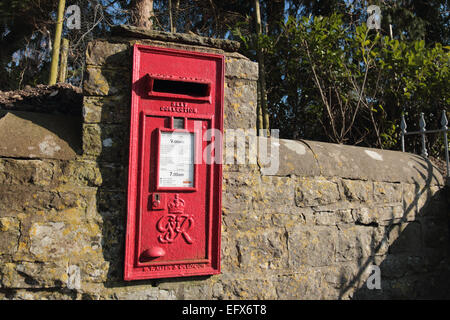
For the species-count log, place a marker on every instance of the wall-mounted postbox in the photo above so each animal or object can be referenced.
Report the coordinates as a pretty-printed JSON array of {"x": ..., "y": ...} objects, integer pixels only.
[{"x": 174, "y": 189}]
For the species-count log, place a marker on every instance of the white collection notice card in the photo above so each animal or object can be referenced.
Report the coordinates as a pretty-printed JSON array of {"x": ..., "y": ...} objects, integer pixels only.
[{"x": 176, "y": 160}]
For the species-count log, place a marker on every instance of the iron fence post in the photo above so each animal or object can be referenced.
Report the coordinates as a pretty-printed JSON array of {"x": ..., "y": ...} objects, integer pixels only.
[
  {"x": 422, "y": 126},
  {"x": 444, "y": 123},
  {"x": 423, "y": 131},
  {"x": 403, "y": 127}
]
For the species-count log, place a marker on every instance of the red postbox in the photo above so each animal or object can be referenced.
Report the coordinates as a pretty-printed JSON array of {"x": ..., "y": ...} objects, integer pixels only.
[{"x": 174, "y": 192}]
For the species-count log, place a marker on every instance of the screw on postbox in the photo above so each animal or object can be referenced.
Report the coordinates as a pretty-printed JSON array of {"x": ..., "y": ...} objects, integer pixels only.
[{"x": 174, "y": 195}]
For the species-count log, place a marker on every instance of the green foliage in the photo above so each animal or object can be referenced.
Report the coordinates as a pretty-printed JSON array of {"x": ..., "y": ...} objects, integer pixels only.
[{"x": 328, "y": 80}]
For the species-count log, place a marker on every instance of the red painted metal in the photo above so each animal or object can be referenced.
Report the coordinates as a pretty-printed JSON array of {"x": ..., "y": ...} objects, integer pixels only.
[{"x": 173, "y": 231}]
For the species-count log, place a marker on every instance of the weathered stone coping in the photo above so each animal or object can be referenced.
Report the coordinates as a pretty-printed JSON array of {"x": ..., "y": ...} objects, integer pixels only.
[
  {"x": 185, "y": 38},
  {"x": 313, "y": 158},
  {"x": 37, "y": 135}
]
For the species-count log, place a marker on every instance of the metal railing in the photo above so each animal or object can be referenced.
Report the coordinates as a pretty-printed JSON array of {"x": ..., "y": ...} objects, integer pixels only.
[{"x": 422, "y": 131}]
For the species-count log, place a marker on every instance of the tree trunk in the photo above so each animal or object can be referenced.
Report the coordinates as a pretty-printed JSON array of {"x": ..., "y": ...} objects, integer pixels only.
[
  {"x": 63, "y": 64},
  {"x": 170, "y": 16},
  {"x": 141, "y": 13},
  {"x": 57, "y": 43},
  {"x": 262, "y": 77},
  {"x": 177, "y": 8}
]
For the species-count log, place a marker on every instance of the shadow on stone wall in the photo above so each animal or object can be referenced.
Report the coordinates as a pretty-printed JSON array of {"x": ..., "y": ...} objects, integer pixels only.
[
  {"x": 50, "y": 115},
  {"x": 417, "y": 262},
  {"x": 26, "y": 131}
]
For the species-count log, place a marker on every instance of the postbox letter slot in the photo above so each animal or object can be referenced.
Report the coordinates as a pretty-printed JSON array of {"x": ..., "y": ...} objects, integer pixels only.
[{"x": 194, "y": 89}]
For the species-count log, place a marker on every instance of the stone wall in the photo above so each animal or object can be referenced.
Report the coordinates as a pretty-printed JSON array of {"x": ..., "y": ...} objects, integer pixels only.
[{"x": 309, "y": 231}]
